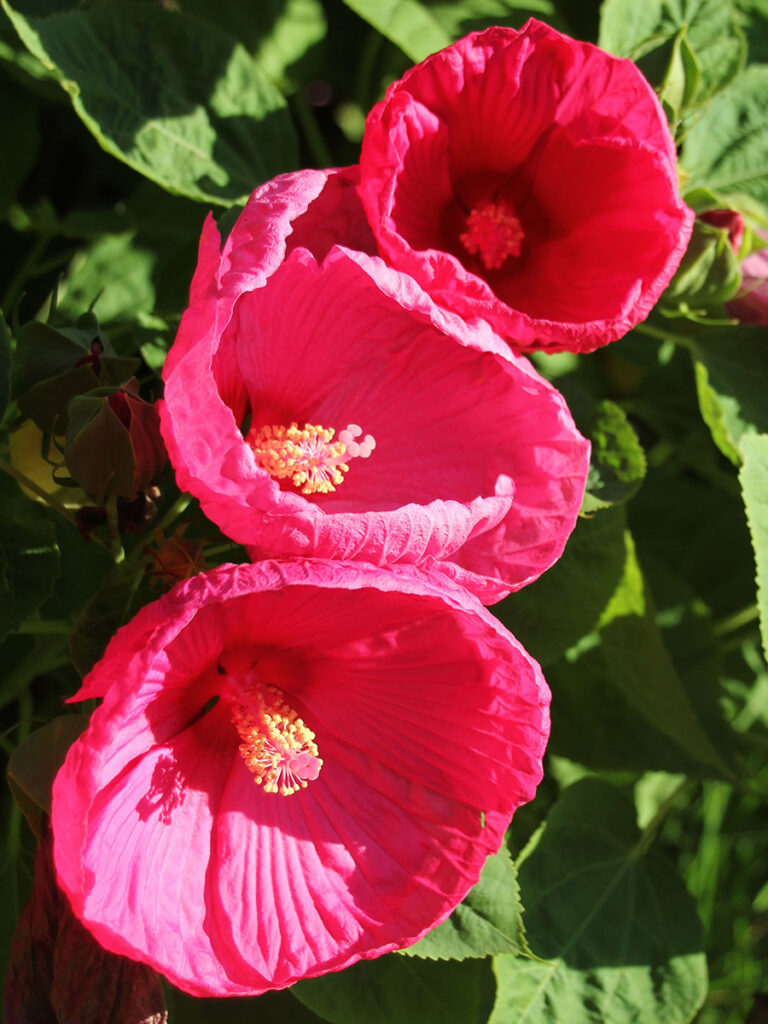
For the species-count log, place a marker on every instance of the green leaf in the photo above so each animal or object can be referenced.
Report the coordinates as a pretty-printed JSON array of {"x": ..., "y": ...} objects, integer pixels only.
[
  {"x": 32, "y": 766},
  {"x": 19, "y": 140},
  {"x": 615, "y": 924},
  {"x": 29, "y": 558},
  {"x": 5, "y": 366},
  {"x": 707, "y": 277},
  {"x": 754, "y": 488},
  {"x": 421, "y": 28},
  {"x": 671, "y": 39},
  {"x": 407, "y": 23},
  {"x": 640, "y": 666},
  {"x": 753, "y": 16},
  {"x": 552, "y": 614},
  {"x": 113, "y": 278},
  {"x": 174, "y": 97},
  {"x": 402, "y": 989},
  {"x": 101, "y": 617},
  {"x": 617, "y": 462},
  {"x": 278, "y": 33},
  {"x": 457, "y": 19},
  {"x": 731, "y": 369},
  {"x": 684, "y": 76},
  {"x": 726, "y": 151},
  {"x": 489, "y": 920}
]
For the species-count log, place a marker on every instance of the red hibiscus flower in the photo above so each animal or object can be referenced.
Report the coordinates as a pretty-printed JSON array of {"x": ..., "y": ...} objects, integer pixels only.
[
  {"x": 318, "y": 403},
  {"x": 295, "y": 766},
  {"x": 528, "y": 179}
]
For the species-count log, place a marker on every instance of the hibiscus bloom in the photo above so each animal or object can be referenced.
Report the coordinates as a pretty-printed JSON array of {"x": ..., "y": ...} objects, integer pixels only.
[
  {"x": 318, "y": 403},
  {"x": 295, "y": 766},
  {"x": 528, "y": 179}
]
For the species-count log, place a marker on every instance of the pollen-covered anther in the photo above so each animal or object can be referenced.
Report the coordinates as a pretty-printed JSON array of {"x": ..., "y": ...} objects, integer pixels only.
[
  {"x": 308, "y": 456},
  {"x": 278, "y": 748},
  {"x": 493, "y": 233}
]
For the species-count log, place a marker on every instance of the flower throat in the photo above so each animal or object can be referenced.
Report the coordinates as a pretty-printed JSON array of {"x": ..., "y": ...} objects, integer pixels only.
[{"x": 493, "y": 233}]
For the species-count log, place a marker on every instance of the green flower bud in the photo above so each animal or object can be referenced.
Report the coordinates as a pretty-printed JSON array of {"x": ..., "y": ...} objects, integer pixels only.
[{"x": 113, "y": 445}]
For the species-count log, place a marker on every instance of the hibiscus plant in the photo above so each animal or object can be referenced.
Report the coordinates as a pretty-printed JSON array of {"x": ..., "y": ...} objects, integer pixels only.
[{"x": 384, "y": 511}]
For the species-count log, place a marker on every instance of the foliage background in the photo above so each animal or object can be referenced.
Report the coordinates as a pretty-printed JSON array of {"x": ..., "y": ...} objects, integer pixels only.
[{"x": 634, "y": 886}]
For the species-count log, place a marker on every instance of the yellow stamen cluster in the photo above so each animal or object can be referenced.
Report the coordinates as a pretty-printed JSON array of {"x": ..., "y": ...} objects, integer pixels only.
[
  {"x": 307, "y": 456},
  {"x": 277, "y": 746}
]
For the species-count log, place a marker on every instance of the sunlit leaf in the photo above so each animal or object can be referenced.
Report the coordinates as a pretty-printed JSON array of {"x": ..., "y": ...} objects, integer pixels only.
[{"x": 614, "y": 924}]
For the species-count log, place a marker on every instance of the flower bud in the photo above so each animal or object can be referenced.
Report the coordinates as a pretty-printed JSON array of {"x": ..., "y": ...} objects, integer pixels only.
[
  {"x": 113, "y": 445},
  {"x": 52, "y": 365},
  {"x": 174, "y": 558},
  {"x": 750, "y": 305},
  {"x": 58, "y": 973}
]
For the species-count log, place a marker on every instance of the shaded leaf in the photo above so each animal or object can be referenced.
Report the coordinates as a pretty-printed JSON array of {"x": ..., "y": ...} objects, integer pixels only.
[
  {"x": 552, "y": 614},
  {"x": 617, "y": 461},
  {"x": 731, "y": 368},
  {"x": 639, "y": 664},
  {"x": 615, "y": 924},
  {"x": 420, "y": 28},
  {"x": 102, "y": 616},
  {"x": 754, "y": 488},
  {"x": 174, "y": 97},
  {"x": 403, "y": 989},
  {"x": 489, "y": 920},
  {"x": 19, "y": 140},
  {"x": 277, "y": 32},
  {"x": 32, "y": 766},
  {"x": 29, "y": 557}
]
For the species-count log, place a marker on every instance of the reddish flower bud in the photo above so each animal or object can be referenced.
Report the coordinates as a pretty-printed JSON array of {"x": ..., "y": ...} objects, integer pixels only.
[
  {"x": 174, "y": 558},
  {"x": 59, "y": 974},
  {"x": 751, "y": 304},
  {"x": 727, "y": 220},
  {"x": 113, "y": 445}
]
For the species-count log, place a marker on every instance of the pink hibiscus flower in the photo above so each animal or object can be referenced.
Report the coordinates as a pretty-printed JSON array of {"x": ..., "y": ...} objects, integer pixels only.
[
  {"x": 318, "y": 403},
  {"x": 295, "y": 766},
  {"x": 528, "y": 179}
]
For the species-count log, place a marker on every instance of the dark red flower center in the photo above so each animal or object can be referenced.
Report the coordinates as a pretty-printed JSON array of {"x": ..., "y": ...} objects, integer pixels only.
[{"x": 493, "y": 233}]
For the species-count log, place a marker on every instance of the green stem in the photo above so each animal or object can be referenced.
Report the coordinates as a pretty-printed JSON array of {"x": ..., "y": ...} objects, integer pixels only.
[
  {"x": 113, "y": 525},
  {"x": 315, "y": 141},
  {"x": 662, "y": 335},
  {"x": 178, "y": 508},
  {"x": 219, "y": 549},
  {"x": 49, "y": 500},
  {"x": 42, "y": 628},
  {"x": 744, "y": 617}
]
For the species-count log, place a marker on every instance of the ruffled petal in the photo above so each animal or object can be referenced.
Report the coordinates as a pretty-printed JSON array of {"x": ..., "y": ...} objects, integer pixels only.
[{"x": 459, "y": 422}]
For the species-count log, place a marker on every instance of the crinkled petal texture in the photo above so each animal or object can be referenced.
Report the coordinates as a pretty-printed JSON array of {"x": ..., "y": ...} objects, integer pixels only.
[
  {"x": 477, "y": 466},
  {"x": 431, "y": 722},
  {"x": 568, "y": 140}
]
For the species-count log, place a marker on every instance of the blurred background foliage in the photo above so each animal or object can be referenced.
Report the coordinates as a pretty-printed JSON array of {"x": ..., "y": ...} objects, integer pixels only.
[{"x": 639, "y": 870}]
